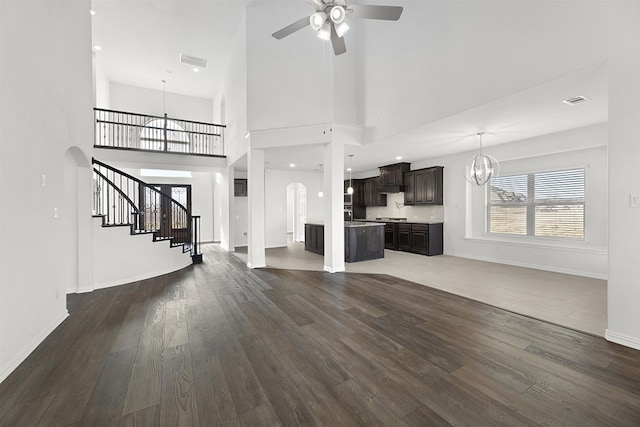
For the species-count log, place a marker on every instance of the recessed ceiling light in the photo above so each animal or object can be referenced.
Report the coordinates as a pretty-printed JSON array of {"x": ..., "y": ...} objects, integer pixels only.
[
  {"x": 292, "y": 165},
  {"x": 93, "y": 12},
  {"x": 96, "y": 47},
  {"x": 398, "y": 157},
  {"x": 348, "y": 169},
  {"x": 195, "y": 70}
]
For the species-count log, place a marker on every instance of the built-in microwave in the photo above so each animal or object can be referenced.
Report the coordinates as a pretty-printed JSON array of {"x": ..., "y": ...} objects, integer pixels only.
[{"x": 348, "y": 212}]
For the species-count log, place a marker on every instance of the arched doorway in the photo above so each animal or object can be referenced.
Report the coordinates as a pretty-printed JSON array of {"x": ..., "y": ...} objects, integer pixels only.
[
  {"x": 76, "y": 217},
  {"x": 296, "y": 211}
]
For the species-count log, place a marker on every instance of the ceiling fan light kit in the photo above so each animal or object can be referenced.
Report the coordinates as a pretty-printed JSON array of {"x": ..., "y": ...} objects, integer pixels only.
[{"x": 329, "y": 20}]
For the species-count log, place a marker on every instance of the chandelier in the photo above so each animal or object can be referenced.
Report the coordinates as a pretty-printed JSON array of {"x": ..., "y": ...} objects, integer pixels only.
[{"x": 482, "y": 167}]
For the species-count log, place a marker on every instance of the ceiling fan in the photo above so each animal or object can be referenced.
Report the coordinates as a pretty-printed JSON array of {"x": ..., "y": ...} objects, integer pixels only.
[{"x": 329, "y": 20}]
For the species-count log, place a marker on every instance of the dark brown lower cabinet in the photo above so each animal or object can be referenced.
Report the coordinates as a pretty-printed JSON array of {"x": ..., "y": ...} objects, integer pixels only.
[
  {"x": 425, "y": 239},
  {"x": 391, "y": 236},
  {"x": 404, "y": 237},
  {"x": 314, "y": 238}
]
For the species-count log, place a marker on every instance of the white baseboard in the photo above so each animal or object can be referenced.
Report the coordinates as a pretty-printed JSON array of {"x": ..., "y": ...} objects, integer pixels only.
[
  {"x": 590, "y": 274},
  {"x": 256, "y": 266},
  {"x": 144, "y": 276},
  {"x": 331, "y": 270},
  {"x": 622, "y": 339},
  {"x": 21, "y": 356}
]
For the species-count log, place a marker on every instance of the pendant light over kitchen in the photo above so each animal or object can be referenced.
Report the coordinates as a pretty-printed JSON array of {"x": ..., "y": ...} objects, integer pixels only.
[
  {"x": 320, "y": 193},
  {"x": 482, "y": 167},
  {"x": 350, "y": 188}
]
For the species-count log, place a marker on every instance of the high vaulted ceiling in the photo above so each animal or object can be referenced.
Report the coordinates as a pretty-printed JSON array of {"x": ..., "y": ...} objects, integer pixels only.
[{"x": 142, "y": 40}]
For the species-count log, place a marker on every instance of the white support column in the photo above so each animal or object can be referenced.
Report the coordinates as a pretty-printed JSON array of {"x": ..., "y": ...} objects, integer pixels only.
[
  {"x": 623, "y": 289},
  {"x": 226, "y": 209},
  {"x": 334, "y": 207},
  {"x": 256, "y": 230}
]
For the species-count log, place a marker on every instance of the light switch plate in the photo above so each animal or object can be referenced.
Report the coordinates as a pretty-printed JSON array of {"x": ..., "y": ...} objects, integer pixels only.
[{"x": 634, "y": 200}]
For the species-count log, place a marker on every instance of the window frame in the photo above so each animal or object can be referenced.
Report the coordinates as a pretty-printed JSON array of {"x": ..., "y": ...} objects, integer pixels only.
[{"x": 531, "y": 205}]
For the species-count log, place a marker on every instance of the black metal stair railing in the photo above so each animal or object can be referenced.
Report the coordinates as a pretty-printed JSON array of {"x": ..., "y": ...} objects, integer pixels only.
[
  {"x": 121, "y": 199},
  {"x": 142, "y": 132}
]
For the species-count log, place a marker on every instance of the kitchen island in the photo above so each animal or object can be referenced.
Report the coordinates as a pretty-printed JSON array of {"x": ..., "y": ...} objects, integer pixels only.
[{"x": 362, "y": 240}]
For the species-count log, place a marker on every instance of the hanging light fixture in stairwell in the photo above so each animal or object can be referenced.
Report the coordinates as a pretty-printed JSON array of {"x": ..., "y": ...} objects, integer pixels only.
[
  {"x": 164, "y": 98},
  {"x": 482, "y": 167},
  {"x": 350, "y": 188}
]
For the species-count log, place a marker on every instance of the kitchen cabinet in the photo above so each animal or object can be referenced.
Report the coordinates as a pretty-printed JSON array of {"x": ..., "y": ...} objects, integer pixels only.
[
  {"x": 391, "y": 236},
  {"x": 404, "y": 237},
  {"x": 393, "y": 174},
  {"x": 409, "y": 188},
  {"x": 362, "y": 240},
  {"x": 424, "y": 186},
  {"x": 314, "y": 238},
  {"x": 425, "y": 239},
  {"x": 240, "y": 187},
  {"x": 372, "y": 197},
  {"x": 355, "y": 202}
]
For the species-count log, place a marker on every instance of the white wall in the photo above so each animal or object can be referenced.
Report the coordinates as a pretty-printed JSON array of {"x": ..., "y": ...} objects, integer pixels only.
[
  {"x": 240, "y": 216},
  {"x": 202, "y": 188},
  {"x": 102, "y": 84},
  {"x": 122, "y": 258},
  {"x": 276, "y": 182},
  {"x": 395, "y": 209},
  {"x": 148, "y": 101},
  {"x": 241, "y": 221},
  {"x": 45, "y": 108},
  {"x": 232, "y": 98},
  {"x": 465, "y": 212},
  {"x": 444, "y": 57},
  {"x": 624, "y": 176}
]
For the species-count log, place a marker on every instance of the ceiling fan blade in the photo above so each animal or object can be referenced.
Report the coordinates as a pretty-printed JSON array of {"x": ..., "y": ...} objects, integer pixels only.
[
  {"x": 339, "y": 47},
  {"x": 291, "y": 28},
  {"x": 388, "y": 13}
]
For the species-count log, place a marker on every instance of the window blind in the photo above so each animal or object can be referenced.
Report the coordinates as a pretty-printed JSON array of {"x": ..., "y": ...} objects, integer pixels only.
[{"x": 546, "y": 204}]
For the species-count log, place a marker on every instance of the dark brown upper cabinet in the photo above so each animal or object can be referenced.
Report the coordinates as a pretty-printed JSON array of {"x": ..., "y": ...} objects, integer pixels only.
[
  {"x": 424, "y": 186},
  {"x": 372, "y": 197},
  {"x": 393, "y": 175}
]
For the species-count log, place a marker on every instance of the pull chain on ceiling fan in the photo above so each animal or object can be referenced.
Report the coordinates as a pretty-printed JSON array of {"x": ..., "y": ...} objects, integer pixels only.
[{"x": 329, "y": 20}]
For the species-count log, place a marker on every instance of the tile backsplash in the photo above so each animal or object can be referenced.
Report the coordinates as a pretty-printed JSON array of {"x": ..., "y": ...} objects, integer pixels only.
[{"x": 395, "y": 209}]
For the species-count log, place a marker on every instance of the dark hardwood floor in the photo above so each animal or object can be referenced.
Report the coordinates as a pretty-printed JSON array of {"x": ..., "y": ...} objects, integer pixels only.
[{"x": 218, "y": 344}]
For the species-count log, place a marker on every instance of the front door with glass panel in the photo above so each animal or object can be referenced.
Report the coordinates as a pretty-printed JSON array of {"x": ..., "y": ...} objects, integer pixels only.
[{"x": 159, "y": 215}]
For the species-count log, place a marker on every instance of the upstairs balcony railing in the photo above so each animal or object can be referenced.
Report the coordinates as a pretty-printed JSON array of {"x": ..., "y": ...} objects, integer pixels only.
[{"x": 161, "y": 134}]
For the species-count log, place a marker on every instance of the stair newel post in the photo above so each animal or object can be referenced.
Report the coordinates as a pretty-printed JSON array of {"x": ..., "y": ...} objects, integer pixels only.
[{"x": 196, "y": 256}]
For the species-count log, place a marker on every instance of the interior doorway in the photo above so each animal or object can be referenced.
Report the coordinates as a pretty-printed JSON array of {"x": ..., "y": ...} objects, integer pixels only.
[
  {"x": 158, "y": 212},
  {"x": 296, "y": 211}
]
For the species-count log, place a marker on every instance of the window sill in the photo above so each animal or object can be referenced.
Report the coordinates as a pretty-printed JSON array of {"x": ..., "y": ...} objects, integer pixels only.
[{"x": 582, "y": 246}]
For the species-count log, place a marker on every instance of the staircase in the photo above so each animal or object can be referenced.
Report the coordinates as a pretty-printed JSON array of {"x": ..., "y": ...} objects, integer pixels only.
[{"x": 122, "y": 200}]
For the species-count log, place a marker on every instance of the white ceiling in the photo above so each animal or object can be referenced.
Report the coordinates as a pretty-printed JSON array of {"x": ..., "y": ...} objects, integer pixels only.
[{"x": 143, "y": 39}]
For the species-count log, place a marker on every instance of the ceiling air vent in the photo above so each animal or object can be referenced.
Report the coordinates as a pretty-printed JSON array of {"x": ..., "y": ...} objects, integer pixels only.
[
  {"x": 193, "y": 61},
  {"x": 575, "y": 100}
]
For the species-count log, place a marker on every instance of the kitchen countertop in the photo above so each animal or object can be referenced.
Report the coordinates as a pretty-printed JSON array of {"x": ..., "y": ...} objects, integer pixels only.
[
  {"x": 350, "y": 224},
  {"x": 398, "y": 221}
]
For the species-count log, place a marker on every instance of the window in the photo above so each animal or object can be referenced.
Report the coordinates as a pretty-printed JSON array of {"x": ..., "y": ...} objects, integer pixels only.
[
  {"x": 152, "y": 136},
  {"x": 544, "y": 204}
]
